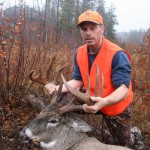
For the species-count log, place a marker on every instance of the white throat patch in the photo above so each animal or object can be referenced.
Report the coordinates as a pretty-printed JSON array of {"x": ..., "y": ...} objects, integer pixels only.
[
  {"x": 29, "y": 133},
  {"x": 48, "y": 145}
]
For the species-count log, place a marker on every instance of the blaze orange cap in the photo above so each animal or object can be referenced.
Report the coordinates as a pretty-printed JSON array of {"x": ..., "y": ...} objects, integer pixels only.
[{"x": 91, "y": 16}]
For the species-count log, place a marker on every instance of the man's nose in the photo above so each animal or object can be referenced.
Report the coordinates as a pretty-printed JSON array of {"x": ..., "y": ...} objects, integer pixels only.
[{"x": 88, "y": 32}]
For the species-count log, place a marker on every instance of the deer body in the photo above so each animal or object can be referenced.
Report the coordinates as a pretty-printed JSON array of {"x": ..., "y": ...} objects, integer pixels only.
[{"x": 93, "y": 144}]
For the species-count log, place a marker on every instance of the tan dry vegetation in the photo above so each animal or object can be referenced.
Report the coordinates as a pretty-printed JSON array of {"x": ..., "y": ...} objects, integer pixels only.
[
  {"x": 141, "y": 87},
  {"x": 19, "y": 54}
]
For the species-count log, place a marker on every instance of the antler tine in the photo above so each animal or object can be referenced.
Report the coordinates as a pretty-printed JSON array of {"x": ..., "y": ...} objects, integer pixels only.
[
  {"x": 71, "y": 108},
  {"x": 48, "y": 71},
  {"x": 97, "y": 80},
  {"x": 88, "y": 87},
  {"x": 56, "y": 96},
  {"x": 58, "y": 74},
  {"x": 102, "y": 86},
  {"x": 38, "y": 78},
  {"x": 84, "y": 97}
]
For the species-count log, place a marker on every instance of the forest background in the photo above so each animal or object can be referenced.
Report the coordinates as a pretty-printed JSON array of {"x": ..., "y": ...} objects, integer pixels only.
[{"x": 31, "y": 35}]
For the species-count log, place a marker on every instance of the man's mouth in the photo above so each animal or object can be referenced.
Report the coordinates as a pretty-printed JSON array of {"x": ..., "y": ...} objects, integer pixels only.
[{"x": 88, "y": 40}]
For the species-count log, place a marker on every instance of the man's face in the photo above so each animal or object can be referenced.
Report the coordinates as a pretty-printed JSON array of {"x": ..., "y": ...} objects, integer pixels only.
[{"x": 91, "y": 33}]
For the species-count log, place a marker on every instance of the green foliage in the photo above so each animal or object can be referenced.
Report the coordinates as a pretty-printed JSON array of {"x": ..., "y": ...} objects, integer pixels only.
[
  {"x": 67, "y": 15},
  {"x": 110, "y": 23}
]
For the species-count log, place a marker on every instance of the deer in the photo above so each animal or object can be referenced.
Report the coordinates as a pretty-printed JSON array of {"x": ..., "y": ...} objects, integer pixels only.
[{"x": 57, "y": 127}]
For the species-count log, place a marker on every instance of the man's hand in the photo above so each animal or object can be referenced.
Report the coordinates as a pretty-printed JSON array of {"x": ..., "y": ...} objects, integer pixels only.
[
  {"x": 99, "y": 104},
  {"x": 50, "y": 88},
  {"x": 118, "y": 95}
]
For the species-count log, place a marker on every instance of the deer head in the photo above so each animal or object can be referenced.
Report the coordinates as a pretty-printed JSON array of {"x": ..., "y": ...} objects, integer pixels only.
[{"x": 55, "y": 131}]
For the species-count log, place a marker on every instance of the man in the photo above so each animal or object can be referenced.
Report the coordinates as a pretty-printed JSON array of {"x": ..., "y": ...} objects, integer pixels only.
[{"x": 115, "y": 65}]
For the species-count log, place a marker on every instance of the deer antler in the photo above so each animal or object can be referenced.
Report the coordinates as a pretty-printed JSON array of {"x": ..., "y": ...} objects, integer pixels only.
[
  {"x": 45, "y": 80},
  {"x": 39, "y": 78},
  {"x": 83, "y": 97}
]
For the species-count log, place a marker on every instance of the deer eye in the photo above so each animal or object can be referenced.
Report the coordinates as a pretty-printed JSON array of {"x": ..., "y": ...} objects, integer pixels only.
[{"x": 53, "y": 121}]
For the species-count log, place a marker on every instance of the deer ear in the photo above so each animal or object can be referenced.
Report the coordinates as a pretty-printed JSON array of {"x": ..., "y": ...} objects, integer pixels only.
[{"x": 81, "y": 126}]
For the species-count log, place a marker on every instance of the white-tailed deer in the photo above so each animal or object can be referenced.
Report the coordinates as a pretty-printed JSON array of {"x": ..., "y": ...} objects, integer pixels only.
[{"x": 57, "y": 128}]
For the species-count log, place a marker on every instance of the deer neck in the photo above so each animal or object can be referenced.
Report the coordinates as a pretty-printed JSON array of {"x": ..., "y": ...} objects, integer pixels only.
[{"x": 67, "y": 139}]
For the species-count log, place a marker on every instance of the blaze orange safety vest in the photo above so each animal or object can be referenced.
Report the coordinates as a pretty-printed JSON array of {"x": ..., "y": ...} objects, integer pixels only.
[{"x": 104, "y": 61}]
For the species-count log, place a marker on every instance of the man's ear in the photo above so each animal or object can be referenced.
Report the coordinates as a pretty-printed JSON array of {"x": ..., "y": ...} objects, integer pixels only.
[{"x": 102, "y": 28}]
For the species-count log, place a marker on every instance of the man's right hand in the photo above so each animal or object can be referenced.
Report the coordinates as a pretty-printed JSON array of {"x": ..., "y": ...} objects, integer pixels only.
[{"x": 50, "y": 88}]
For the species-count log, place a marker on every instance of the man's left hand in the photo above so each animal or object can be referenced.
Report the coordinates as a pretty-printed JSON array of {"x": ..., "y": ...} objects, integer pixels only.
[{"x": 98, "y": 105}]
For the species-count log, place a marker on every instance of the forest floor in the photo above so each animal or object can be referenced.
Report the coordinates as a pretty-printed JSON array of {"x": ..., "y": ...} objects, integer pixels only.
[{"x": 14, "y": 116}]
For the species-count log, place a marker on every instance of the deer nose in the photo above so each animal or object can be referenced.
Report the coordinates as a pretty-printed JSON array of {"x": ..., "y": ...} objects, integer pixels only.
[{"x": 23, "y": 136}]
